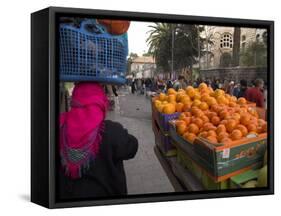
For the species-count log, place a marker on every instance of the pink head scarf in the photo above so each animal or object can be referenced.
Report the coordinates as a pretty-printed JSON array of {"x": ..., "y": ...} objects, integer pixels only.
[{"x": 81, "y": 127}]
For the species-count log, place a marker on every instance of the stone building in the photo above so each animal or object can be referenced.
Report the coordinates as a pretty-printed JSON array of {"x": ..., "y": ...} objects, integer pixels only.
[
  {"x": 222, "y": 44},
  {"x": 143, "y": 67}
]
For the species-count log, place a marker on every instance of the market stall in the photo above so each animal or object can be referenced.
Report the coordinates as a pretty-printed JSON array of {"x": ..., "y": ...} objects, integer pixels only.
[{"x": 209, "y": 139}]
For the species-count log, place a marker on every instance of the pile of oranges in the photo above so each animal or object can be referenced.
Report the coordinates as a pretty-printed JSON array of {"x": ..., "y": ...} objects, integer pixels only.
[{"x": 213, "y": 115}]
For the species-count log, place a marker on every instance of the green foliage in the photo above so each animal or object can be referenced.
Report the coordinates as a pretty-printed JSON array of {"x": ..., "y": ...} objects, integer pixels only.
[
  {"x": 255, "y": 54},
  {"x": 185, "y": 45}
]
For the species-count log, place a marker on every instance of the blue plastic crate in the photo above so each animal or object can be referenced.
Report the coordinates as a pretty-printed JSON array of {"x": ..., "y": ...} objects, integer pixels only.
[{"x": 87, "y": 55}]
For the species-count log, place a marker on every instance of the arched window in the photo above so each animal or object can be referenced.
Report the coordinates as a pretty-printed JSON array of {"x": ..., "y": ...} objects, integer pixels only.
[{"x": 226, "y": 41}]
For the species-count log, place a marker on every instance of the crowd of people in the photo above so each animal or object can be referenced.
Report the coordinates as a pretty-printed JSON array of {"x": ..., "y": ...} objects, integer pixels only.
[{"x": 255, "y": 91}]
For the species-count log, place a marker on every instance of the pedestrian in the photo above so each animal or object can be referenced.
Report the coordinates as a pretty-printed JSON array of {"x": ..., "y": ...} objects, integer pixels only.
[
  {"x": 169, "y": 84},
  {"x": 255, "y": 94},
  {"x": 242, "y": 89},
  {"x": 160, "y": 85},
  {"x": 92, "y": 149},
  {"x": 230, "y": 88},
  {"x": 114, "y": 90},
  {"x": 180, "y": 83},
  {"x": 139, "y": 85},
  {"x": 133, "y": 86}
]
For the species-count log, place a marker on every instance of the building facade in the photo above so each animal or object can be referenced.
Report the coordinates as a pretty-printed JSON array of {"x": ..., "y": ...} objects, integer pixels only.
[
  {"x": 218, "y": 53},
  {"x": 143, "y": 67}
]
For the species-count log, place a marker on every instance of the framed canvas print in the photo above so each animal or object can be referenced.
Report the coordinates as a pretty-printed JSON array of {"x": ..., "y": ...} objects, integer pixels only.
[{"x": 138, "y": 107}]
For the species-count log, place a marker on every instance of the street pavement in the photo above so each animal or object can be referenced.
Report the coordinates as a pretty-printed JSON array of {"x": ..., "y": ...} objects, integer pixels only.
[{"x": 144, "y": 173}]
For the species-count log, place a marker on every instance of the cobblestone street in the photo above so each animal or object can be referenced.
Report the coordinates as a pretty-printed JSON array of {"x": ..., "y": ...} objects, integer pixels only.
[{"x": 144, "y": 173}]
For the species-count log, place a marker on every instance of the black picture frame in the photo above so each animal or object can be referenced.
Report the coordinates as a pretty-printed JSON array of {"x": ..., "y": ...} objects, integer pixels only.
[{"x": 44, "y": 108}]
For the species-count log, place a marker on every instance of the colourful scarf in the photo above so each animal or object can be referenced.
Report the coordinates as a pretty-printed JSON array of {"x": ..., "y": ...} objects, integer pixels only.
[{"x": 81, "y": 127}]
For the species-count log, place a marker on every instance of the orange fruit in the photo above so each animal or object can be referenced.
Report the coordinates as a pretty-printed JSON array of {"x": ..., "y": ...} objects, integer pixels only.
[
  {"x": 222, "y": 100},
  {"x": 252, "y": 127},
  {"x": 205, "y": 118},
  {"x": 187, "y": 120},
  {"x": 194, "y": 110},
  {"x": 232, "y": 104},
  {"x": 203, "y": 106},
  {"x": 223, "y": 114},
  {"x": 189, "y": 88},
  {"x": 211, "y": 101},
  {"x": 193, "y": 128},
  {"x": 226, "y": 140},
  {"x": 179, "y": 107},
  {"x": 222, "y": 136},
  {"x": 261, "y": 122},
  {"x": 205, "y": 91},
  {"x": 181, "y": 128},
  {"x": 187, "y": 114},
  {"x": 196, "y": 103},
  {"x": 253, "y": 120},
  {"x": 208, "y": 126},
  {"x": 203, "y": 86},
  {"x": 185, "y": 99},
  {"x": 162, "y": 96},
  {"x": 236, "y": 134},
  {"x": 160, "y": 107},
  {"x": 211, "y": 133},
  {"x": 212, "y": 139},
  {"x": 178, "y": 122},
  {"x": 199, "y": 113},
  {"x": 230, "y": 125},
  {"x": 171, "y": 91},
  {"x": 241, "y": 101},
  {"x": 181, "y": 116},
  {"x": 253, "y": 112},
  {"x": 191, "y": 92},
  {"x": 169, "y": 108},
  {"x": 197, "y": 96},
  {"x": 216, "y": 108},
  {"x": 215, "y": 120},
  {"x": 245, "y": 118},
  {"x": 171, "y": 98},
  {"x": 205, "y": 97},
  {"x": 179, "y": 96},
  {"x": 259, "y": 129},
  {"x": 211, "y": 114},
  {"x": 186, "y": 106},
  {"x": 190, "y": 137},
  {"x": 243, "y": 129},
  {"x": 221, "y": 128},
  {"x": 198, "y": 121},
  {"x": 203, "y": 134},
  {"x": 237, "y": 117},
  {"x": 218, "y": 92},
  {"x": 233, "y": 99}
]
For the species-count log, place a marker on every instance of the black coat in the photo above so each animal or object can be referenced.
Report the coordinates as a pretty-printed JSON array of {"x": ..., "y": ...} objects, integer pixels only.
[{"x": 106, "y": 175}]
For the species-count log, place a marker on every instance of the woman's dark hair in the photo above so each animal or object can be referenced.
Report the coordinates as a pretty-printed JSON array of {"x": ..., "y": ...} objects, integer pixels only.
[{"x": 243, "y": 83}]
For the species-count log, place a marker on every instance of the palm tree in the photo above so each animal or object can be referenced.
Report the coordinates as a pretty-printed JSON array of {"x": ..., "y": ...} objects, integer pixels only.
[
  {"x": 159, "y": 44},
  {"x": 236, "y": 46},
  {"x": 185, "y": 49}
]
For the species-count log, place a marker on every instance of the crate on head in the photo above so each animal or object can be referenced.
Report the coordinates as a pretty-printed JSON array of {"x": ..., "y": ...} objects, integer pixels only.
[{"x": 89, "y": 53}]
